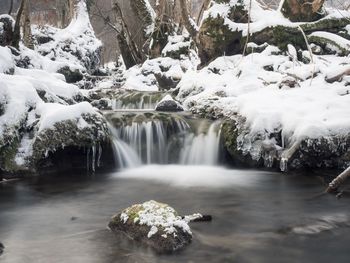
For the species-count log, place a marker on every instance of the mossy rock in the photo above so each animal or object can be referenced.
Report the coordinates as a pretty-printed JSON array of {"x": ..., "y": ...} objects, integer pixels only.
[
  {"x": 153, "y": 224},
  {"x": 302, "y": 10}
]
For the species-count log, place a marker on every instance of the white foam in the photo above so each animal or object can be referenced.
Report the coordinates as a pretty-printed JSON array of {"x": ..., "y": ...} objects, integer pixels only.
[{"x": 194, "y": 176}]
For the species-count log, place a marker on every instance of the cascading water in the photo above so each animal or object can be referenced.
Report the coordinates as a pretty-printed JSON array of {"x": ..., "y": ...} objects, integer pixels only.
[
  {"x": 124, "y": 155},
  {"x": 144, "y": 101},
  {"x": 202, "y": 148},
  {"x": 165, "y": 141}
]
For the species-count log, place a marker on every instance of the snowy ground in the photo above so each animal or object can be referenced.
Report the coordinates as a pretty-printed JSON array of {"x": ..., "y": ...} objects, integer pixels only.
[{"x": 35, "y": 98}]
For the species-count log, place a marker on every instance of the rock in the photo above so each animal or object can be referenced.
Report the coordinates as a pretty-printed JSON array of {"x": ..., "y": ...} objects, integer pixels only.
[
  {"x": 166, "y": 82},
  {"x": 6, "y": 30},
  {"x": 154, "y": 224},
  {"x": 169, "y": 104},
  {"x": 102, "y": 104},
  {"x": 2, "y": 247},
  {"x": 71, "y": 76}
]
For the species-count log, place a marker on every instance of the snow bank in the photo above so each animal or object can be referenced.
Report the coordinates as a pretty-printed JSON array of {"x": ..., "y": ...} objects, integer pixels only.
[
  {"x": 73, "y": 45},
  {"x": 6, "y": 60},
  {"x": 261, "y": 18},
  {"x": 143, "y": 77},
  {"x": 273, "y": 93}
]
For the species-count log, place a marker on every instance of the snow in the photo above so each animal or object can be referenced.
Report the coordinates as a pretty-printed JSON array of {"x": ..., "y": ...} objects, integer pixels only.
[
  {"x": 52, "y": 113},
  {"x": 157, "y": 216},
  {"x": 78, "y": 36},
  {"x": 261, "y": 18},
  {"x": 142, "y": 77},
  {"x": 342, "y": 42},
  {"x": 240, "y": 85},
  {"x": 6, "y": 60}
]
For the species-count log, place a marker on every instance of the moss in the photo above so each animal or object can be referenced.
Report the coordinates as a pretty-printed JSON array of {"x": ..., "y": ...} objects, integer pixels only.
[
  {"x": 329, "y": 44},
  {"x": 218, "y": 39},
  {"x": 7, "y": 156},
  {"x": 303, "y": 12}
]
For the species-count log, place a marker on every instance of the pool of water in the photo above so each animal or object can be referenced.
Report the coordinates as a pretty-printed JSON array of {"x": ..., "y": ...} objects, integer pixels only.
[{"x": 257, "y": 216}]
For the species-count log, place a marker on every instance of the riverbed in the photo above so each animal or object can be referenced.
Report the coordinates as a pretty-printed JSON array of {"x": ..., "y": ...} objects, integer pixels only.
[{"x": 258, "y": 216}]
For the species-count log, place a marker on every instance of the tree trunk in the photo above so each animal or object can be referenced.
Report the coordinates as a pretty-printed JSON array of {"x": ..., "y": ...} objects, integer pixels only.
[
  {"x": 204, "y": 7},
  {"x": 11, "y": 7},
  {"x": 66, "y": 9},
  {"x": 189, "y": 24},
  {"x": 302, "y": 10},
  {"x": 27, "y": 32},
  {"x": 127, "y": 46},
  {"x": 337, "y": 182},
  {"x": 17, "y": 29}
]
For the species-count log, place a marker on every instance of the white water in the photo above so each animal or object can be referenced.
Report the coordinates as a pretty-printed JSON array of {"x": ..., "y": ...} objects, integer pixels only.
[
  {"x": 202, "y": 148},
  {"x": 196, "y": 176},
  {"x": 158, "y": 142},
  {"x": 147, "y": 102}
]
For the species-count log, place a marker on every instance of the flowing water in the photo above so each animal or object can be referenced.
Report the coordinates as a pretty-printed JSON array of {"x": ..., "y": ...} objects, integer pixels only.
[
  {"x": 173, "y": 158},
  {"x": 257, "y": 216}
]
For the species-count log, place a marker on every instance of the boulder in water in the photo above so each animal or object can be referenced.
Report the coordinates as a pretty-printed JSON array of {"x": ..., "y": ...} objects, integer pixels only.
[
  {"x": 154, "y": 224},
  {"x": 169, "y": 104}
]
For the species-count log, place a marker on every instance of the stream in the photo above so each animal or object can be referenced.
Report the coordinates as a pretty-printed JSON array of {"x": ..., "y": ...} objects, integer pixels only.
[{"x": 258, "y": 216}]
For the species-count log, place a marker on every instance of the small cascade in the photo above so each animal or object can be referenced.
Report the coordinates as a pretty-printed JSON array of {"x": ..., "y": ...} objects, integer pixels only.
[
  {"x": 124, "y": 155},
  {"x": 202, "y": 148},
  {"x": 160, "y": 138},
  {"x": 145, "y": 101},
  {"x": 151, "y": 140}
]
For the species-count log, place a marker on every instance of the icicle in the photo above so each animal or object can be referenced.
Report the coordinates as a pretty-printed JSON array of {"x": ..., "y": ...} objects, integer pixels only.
[
  {"x": 88, "y": 159},
  {"x": 284, "y": 164},
  {"x": 93, "y": 161},
  {"x": 99, "y": 155}
]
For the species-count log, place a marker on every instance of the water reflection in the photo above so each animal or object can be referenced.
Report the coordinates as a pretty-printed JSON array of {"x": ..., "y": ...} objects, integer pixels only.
[{"x": 258, "y": 216}]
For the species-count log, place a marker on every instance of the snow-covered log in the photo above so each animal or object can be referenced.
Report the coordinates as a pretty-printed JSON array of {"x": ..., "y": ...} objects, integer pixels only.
[{"x": 338, "y": 181}]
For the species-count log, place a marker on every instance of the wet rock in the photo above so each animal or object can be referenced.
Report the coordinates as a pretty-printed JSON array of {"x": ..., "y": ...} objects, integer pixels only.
[
  {"x": 169, "y": 104},
  {"x": 166, "y": 82},
  {"x": 72, "y": 76},
  {"x": 153, "y": 224},
  {"x": 2, "y": 247},
  {"x": 102, "y": 104}
]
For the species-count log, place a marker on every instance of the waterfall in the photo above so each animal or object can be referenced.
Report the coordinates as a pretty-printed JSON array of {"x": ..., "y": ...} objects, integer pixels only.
[
  {"x": 145, "y": 102},
  {"x": 202, "y": 148},
  {"x": 150, "y": 140},
  {"x": 171, "y": 140},
  {"x": 124, "y": 155}
]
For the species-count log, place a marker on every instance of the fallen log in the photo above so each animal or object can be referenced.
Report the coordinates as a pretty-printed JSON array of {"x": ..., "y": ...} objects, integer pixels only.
[{"x": 338, "y": 181}]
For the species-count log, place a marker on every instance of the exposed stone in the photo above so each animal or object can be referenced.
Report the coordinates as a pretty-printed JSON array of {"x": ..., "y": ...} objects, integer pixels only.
[
  {"x": 165, "y": 82},
  {"x": 72, "y": 76},
  {"x": 6, "y": 30},
  {"x": 102, "y": 104},
  {"x": 169, "y": 104},
  {"x": 153, "y": 224}
]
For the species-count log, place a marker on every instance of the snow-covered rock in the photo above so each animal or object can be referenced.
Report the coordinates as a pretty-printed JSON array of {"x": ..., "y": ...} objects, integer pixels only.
[
  {"x": 36, "y": 119},
  {"x": 169, "y": 104},
  {"x": 76, "y": 45},
  {"x": 254, "y": 92},
  {"x": 7, "y": 62},
  {"x": 6, "y": 29},
  {"x": 155, "y": 224},
  {"x": 159, "y": 74}
]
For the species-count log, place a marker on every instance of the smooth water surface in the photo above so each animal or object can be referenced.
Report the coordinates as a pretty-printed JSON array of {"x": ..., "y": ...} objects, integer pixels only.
[{"x": 257, "y": 216}]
